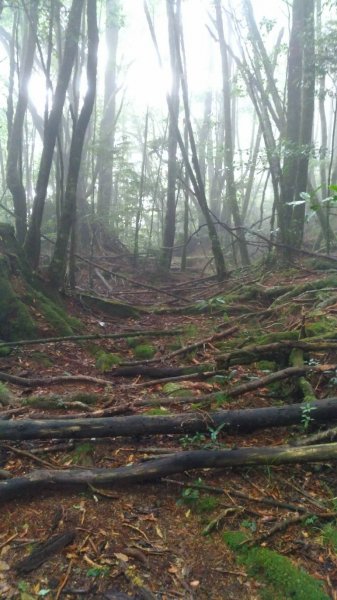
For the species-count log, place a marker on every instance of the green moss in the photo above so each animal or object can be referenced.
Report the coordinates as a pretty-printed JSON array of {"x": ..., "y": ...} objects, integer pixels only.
[
  {"x": 132, "y": 342},
  {"x": 5, "y": 351},
  {"x": 329, "y": 532},
  {"x": 144, "y": 351},
  {"x": 207, "y": 504},
  {"x": 160, "y": 410},
  {"x": 284, "y": 580},
  {"x": 175, "y": 389},
  {"x": 233, "y": 539},
  {"x": 15, "y": 320},
  {"x": 5, "y": 395},
  {"x": 266, "y": 365},
  {"x": 105, "y": 361},
  {"x": 326, "y": 325}
]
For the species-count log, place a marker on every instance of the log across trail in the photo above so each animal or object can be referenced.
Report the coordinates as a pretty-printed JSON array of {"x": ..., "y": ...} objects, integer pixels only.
[
  {"x": 154, "y": 470},
  {"x": 232, "y": 421}
]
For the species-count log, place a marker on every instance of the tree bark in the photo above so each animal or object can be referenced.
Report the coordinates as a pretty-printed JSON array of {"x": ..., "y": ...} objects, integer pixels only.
[
  {"x": 233, "y": 421},
  {"x": 230, "y": 197},
  {"x": 32, "y": 242},
  {"x": 107, "y": 128},
  {"x": 58, "y": 264},
  {"x": 154, "y": 470},
  {"x": 14, "y": 159},
  {"x": 173, "y": 15}
]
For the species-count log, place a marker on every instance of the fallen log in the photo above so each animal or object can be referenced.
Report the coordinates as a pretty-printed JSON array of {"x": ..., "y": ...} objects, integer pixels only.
[
  {"x": 232, "y": 421},
  {"x": 156, "y": 469},
  {"x": 253, "y": 352},
  {"x": 96, "y": 336}
]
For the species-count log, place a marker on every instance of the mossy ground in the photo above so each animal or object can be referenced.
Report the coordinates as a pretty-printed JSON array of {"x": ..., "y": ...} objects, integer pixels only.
[{"x": 283, "y": 580}]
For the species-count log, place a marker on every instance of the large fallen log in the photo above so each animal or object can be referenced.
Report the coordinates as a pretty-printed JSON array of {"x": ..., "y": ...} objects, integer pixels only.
[
  {"x": 232, "y": 421},
  {"x": 155, "y": 469}
]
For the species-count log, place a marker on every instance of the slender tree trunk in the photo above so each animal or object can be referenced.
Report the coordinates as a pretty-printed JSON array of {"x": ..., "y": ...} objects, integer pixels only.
[
  {"x": 141, "y": 191},
  {"x": 58, "y": 264},
  {"x": 33, "y": 243},
  {"x": 231, "y": 197},
  {"x": 173, "y": 13},
  {"x": 300, "y": 112},
  {"x": 14, "y": 160},
  {"x": 107, "y": 128}
]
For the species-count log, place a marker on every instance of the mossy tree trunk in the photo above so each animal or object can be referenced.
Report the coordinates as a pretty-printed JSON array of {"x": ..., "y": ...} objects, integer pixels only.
[{"x": 22, "y": 296}]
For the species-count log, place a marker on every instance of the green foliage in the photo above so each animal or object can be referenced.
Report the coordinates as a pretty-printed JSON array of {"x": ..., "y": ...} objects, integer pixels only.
[
  {"x": 160, "y": 410},
  {"x": 97, "y": 571},
  {"x": 15, "y": 320},
  {"x": 192, "y": 440},
  {"x": 190, "y": 496},
  {"x": 144, "y": 351},
  {"x": 5, "y": 351},
  {"x": 207, "y": 504},
  {"x": 329, "y": 532},
  {"x": 132, "y": 342},
  {"x": 306, "y": 415},
  {"x": 5, "y": 394},
  {"x": 266, "y": 365},
  {"x": 284, "y": 580},
  {"x": 105, "y": 361},
  {"x": 234, "y": 539},
  {"x": 82, "y": 455}
]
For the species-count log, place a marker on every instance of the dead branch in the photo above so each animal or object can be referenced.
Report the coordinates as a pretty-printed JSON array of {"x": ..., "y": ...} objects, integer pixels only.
[
  {"x": 233, "y": 421},
  {"x": 98, "y": 336},
  {"x": 158, "y": 468},
  {"x": 46, "y": 381}
]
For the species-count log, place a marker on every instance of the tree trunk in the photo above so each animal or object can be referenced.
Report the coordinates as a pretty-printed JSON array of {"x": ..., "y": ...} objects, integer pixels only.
[
  {"x": 153, "y": 470},
  {"x": 14, "y": 159},
  {"x": 230, "y": 197},
  {"x": 232, "y": 421},
  {"x": 33, "y": 243},
  {"x": 67, "y": 221},
  {"x": 299, "y": 118},
  {"x": 173, "y": 15},
  {"x": 107, "y": 128}
]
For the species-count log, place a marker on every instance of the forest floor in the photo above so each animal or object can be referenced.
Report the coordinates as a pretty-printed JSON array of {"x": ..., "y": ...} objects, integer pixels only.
[{"x": 174, "y": 538}]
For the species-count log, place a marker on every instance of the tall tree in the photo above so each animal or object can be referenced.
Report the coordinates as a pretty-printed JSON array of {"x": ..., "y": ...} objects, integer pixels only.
[
  {"x": 14, "y": 158},
  {"x": 299, "y": 118},
  {"x": 67, "y": 221},
  {"x": 32, "y": 242},
  {"x": 108, "y": 123},
  {"x": 173, "y": 17},
  {"x": 231, "y": 196}
]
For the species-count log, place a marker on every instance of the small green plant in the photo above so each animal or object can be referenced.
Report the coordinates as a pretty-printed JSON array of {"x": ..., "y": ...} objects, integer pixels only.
[
  {"x": 306, "y": 415},
  {"x": 144, "y": 351},
  {"x": 132, "y": 342},
  {"x": 105, "y": 361},
  {"x": 189, "y": 496},
  {"x": 329, "y": 532},
  {"x": 251, "y": 525},
  {"x": 97, "y": 571},
  {"x": 192, "y": 440},
  {"x": 207, "y": 504}
]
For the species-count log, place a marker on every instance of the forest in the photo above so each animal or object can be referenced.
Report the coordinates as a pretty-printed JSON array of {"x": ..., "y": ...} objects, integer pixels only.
[{"x": 168, "y": 299}]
